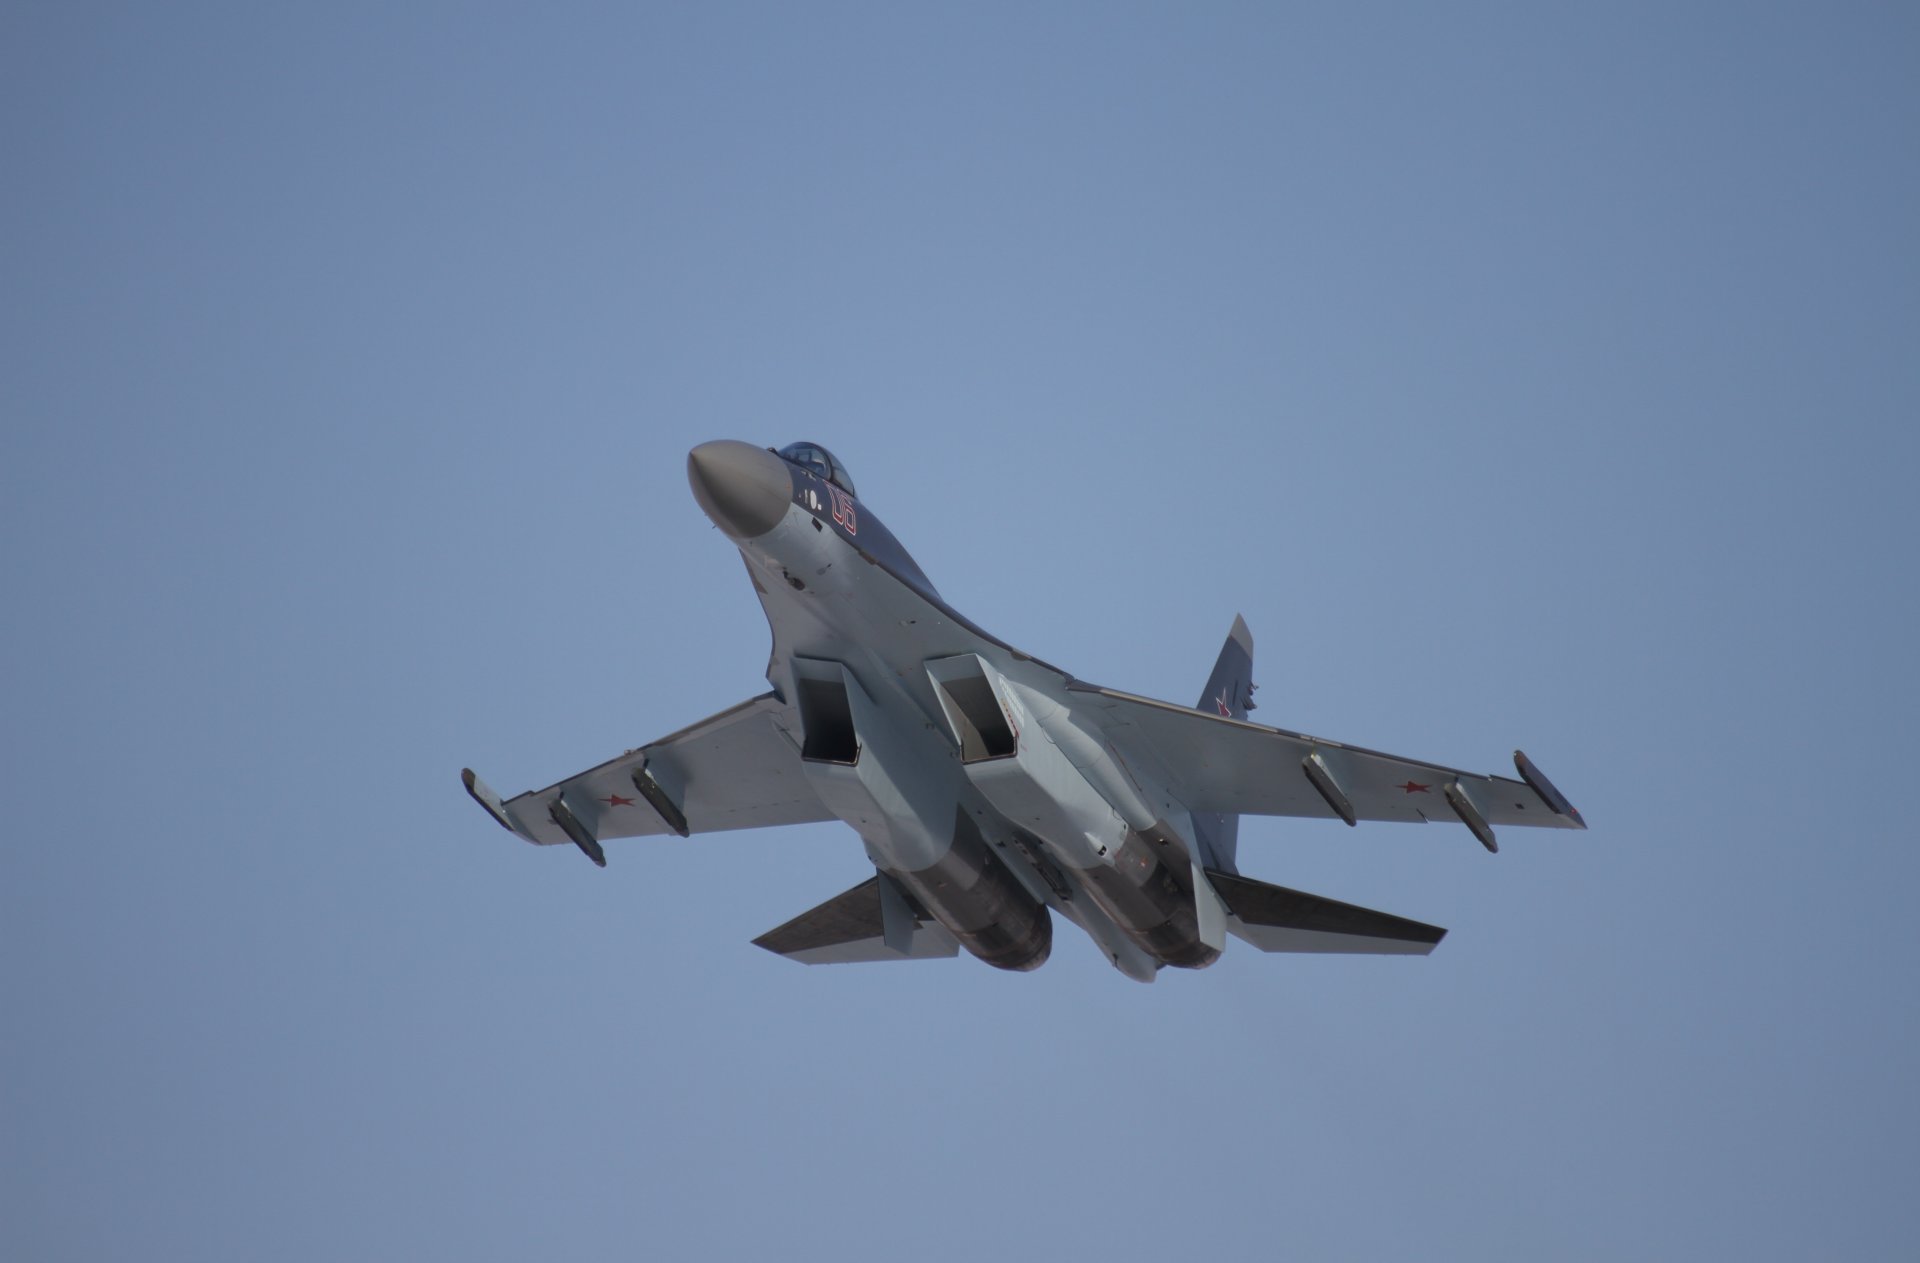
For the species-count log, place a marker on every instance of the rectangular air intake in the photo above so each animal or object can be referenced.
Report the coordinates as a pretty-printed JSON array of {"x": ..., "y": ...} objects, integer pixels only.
[
  {"x": 974, "y": 714},
  {"x": 825, "y": 715}
]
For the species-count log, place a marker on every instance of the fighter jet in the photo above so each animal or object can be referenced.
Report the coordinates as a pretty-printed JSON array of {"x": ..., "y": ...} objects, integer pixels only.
[{"x": 991, "y": 790}]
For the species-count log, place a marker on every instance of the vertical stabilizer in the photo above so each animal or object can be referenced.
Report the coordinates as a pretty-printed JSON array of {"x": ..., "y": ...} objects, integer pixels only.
[{"x": 1230, "y": 693}]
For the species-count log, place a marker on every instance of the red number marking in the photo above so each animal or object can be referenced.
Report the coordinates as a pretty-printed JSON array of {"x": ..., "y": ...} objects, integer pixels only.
[{"x": 843, "y": 510}]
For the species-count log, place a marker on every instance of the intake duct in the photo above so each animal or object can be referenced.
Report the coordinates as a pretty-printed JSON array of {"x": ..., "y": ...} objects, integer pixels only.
[
  {"x": 975, "y": 716},
  {"x": 826, "y": 717}
]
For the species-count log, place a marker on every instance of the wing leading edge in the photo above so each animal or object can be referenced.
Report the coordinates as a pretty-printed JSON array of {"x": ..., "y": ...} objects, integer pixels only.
[
  {"x": 1213, "y": 763},
  {"x": 734, "y": 770}
]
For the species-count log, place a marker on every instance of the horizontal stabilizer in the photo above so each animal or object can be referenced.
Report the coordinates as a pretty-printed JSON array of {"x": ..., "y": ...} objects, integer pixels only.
[
  {"x": 852, "y": 927},
  {"x": 1275, "y": 919}
]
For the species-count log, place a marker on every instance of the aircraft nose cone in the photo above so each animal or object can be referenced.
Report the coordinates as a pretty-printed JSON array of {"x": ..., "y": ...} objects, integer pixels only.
[{"x": 743, "y": 488}]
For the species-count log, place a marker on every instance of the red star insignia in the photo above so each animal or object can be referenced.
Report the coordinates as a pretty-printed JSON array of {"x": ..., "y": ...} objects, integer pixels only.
[
  {"x": 617, "y": 801},
  {"x": 1414, "y": 787},
  {"x": 1223, "y": 705}
]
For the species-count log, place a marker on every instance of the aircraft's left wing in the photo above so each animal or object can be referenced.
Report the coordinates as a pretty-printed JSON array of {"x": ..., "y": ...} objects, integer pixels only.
[
  {"x": 1213, "y": 763},
  {"x": 735, "y": 770}
]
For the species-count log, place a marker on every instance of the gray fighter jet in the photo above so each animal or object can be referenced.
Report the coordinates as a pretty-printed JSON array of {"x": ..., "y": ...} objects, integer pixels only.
[{"x": 991, "y": 790}]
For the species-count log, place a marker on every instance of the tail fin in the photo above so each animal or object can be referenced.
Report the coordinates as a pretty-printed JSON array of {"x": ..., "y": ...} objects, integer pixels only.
[{"x": 1229, "y": 693}]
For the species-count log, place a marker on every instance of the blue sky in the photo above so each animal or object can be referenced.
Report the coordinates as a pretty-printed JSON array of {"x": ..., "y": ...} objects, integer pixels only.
[{"x": 1525, "y": 378}]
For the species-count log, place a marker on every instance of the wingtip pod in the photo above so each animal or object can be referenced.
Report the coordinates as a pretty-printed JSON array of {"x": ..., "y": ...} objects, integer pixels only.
[
  {"x": 489, "y": 801},
  {"x": 1538, "y": 782}
]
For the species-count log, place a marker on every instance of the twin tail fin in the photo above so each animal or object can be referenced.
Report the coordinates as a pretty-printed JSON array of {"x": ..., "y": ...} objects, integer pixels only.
[{"x": 1229, "y": 693}]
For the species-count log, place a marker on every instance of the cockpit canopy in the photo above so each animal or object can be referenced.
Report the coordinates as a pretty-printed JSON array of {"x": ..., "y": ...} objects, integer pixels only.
[{"x": 818, "y": 459}]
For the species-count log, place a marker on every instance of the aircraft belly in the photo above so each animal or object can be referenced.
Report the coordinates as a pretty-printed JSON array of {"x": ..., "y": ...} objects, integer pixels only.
[
  {"x": 943, "y": 860},
  {"x": 902, "y": 792},
  {"x": 1114, "y": 942},
  {"x": 905, "y": 794},
  {"x": 1136, "y": 868}
]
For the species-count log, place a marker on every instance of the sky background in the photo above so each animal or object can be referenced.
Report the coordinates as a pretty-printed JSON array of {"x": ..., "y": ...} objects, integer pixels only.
[{"x": 1525, "y": 377}]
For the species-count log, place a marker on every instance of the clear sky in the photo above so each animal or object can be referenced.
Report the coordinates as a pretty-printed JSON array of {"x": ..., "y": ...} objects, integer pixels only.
[{"x": 1525, "y": 378}]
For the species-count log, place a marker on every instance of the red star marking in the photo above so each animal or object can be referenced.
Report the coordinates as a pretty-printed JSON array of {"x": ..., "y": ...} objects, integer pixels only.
[
  {"x": 1414, "y": 787},
  {"x": 1222, "y": 705},
  {"x": 617, "y": 801}
]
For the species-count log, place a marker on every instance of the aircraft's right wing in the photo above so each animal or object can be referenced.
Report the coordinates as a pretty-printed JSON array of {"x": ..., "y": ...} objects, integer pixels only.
[
  {"x": 1233, "y": 766},
  {"x": 735, "y": 770}
]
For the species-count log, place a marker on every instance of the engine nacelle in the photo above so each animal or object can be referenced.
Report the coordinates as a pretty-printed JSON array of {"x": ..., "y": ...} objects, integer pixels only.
[
  {"x": 1063, "y": 784},
  {"x": 901, "y": 793}
]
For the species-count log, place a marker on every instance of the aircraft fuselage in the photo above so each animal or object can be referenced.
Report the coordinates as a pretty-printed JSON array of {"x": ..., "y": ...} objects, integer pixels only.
[{"x": 953, "y": 756}]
